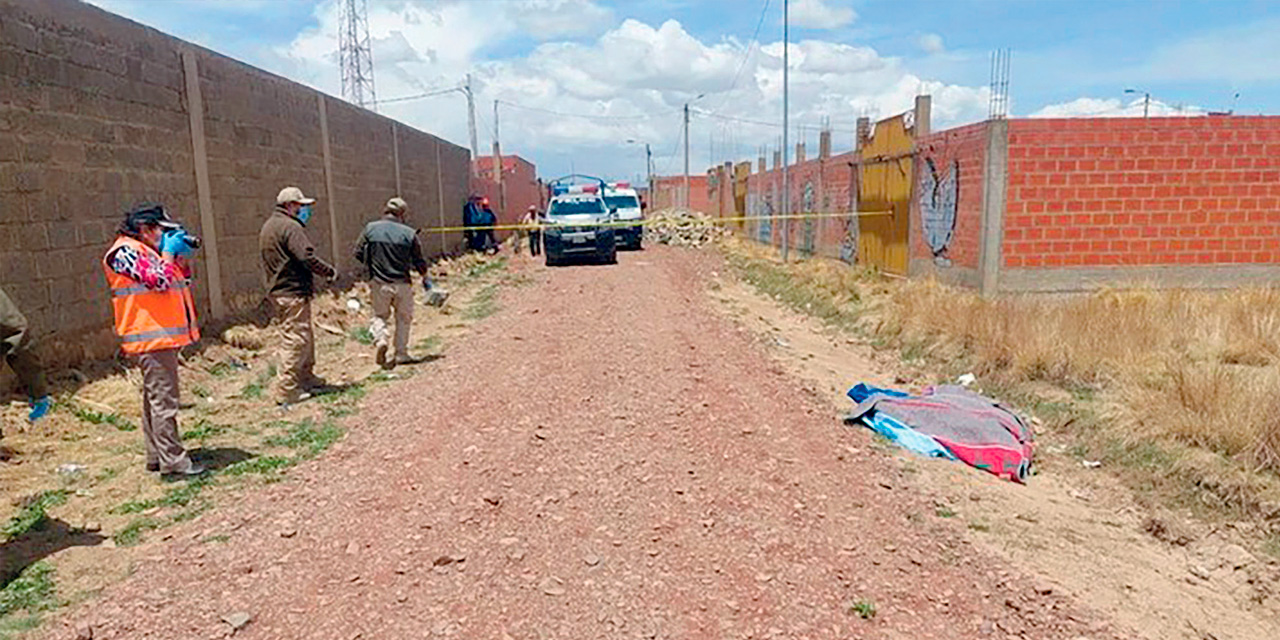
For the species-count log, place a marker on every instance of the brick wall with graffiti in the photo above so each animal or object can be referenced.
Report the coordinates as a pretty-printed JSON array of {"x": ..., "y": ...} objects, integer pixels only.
[
  {"x": 820, "y": 186},
  {"x": 946, "y": 224}
]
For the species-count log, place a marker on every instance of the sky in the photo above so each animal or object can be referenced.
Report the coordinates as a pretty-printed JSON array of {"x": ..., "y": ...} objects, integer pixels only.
[{"x": 583, "y": 85}]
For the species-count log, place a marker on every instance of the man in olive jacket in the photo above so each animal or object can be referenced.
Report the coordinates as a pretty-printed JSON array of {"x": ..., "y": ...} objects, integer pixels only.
[{"x": 289, "y": 266}]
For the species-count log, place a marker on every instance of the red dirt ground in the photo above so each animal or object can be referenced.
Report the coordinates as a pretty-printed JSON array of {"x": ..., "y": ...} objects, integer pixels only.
[{"x": 604, "y": 457}]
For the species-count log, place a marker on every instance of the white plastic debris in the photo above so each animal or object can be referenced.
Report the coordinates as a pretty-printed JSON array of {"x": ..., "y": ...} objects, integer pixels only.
[
  {"x": 966, "y": 379},
  {"x": 353, "y": 304},
  {"x": 1091, "y": 464}
]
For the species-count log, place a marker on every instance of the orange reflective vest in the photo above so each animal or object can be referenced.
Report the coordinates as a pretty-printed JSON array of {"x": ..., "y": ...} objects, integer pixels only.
[{"x": 148, "y": 320}]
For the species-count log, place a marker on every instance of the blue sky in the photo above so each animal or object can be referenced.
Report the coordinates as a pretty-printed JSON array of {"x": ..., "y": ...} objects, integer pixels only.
[{"x": 632, "y": 63}]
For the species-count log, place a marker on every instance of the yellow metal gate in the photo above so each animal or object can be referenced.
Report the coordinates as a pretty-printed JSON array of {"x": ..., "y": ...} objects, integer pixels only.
[{"x": 884, "y": 184}]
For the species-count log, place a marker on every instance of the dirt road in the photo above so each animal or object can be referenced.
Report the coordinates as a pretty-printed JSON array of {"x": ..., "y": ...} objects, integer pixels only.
[{"x": 605, "y": 456}]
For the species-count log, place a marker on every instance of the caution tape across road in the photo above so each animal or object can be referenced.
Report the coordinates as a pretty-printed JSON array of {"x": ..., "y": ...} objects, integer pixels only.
[{"x": 647, "y": 221}]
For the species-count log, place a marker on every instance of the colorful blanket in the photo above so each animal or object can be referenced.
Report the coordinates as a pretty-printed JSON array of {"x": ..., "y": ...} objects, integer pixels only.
[{"x": 949, "y": 422}]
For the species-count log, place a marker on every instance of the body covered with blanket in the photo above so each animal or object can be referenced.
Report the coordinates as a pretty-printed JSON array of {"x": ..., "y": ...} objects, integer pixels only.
[{"x": 949, "y": 422}]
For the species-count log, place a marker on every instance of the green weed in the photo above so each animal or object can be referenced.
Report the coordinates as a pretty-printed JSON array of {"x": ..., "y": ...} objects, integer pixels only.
[
  {"x": 179, "y": 496},
  {"x": 32, "y": 591},
  {"x": 864, "y": 609},
  {"x": 258, "y": 465},
  {"x": 483, "y": 268},
  {"x": 98, "y": 417},
  {"x": 216, "y": 539},
  {"x": 430, "y": 344},
  {"x": 308, "y": 439},
  {"x": 945, "y": 512},
  {"x": 484, "y": 304},
  {"x": 31, "y": 514},
  {"x": 201, "y": 392},
  {"x": 1272, "y": 546},
  {"x": 203, "y": 430},
  {"x": 131, "y": 534},
  {"x": 362, "y": 335}
]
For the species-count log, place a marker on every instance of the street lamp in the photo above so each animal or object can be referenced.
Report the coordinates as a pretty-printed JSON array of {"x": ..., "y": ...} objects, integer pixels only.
[
  {"x": 1146, "y": 101},
  {"x": 648, "y": 164}
]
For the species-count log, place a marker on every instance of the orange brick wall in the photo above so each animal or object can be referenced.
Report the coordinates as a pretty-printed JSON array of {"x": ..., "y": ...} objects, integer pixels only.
[
  {"x": 966, "y": 145},
  {"x": 668, "y": 191},
  {"x": 1135, "y": 192}
]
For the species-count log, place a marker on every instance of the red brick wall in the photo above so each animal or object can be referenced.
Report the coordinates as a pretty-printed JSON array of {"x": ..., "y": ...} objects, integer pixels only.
[
  {"x": 966, "y": 145},
  {"x": 1127, "y": 191},
  {"x": 520, "y": 182},
  {"x": 668, "y": 191},
  {"x": 830, "y": 180}
]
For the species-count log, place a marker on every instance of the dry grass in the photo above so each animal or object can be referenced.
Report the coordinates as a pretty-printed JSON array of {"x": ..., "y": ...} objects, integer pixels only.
[{"x": 1194, "y": 374}]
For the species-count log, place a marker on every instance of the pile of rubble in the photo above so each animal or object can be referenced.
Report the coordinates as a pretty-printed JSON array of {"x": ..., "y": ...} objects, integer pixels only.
[{"x": 682, "y": 228}]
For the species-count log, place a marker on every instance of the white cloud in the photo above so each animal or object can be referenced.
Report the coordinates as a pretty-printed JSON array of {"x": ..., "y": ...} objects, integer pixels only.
[
  {"x": 635, "y": 77},
  {"x": 1114, "y": 108},
  {"x": 931, "y": 43},
  {"x": 819, "y": 14}
]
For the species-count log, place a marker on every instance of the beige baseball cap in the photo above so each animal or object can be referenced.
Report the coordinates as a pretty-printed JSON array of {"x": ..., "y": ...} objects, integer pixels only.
[
  {"x": 397, "y": 205},
  {"x": 293, "y": 194}
]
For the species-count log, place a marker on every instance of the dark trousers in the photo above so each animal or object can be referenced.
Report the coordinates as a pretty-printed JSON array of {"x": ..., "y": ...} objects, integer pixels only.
[
  {"x": 18, "y": 349},
  {"x": 535, "y": 242}
]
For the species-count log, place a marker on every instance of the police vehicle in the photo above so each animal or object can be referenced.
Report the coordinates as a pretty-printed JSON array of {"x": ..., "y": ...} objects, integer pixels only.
[
  {"x": 578, "y": 224},
  {"x": 627, "y": 208}
]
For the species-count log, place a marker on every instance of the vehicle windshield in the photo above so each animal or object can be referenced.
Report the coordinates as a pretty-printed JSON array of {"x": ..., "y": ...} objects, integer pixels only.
[
  {"x": 622, "y": 202},
  {"x": 576, "y": 207}
]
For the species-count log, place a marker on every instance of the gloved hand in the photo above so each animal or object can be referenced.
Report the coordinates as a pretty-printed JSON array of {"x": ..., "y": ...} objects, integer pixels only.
[
  {"x": 39, "y": 408},
  {"x": 426, "y": 284},
  {"x": 174, "y": 241}
]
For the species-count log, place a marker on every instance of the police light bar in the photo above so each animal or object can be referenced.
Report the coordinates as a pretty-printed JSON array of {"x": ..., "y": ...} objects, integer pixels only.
[
  {"x": 584, "y": 188},
  {"x": 621, "y": 185}
]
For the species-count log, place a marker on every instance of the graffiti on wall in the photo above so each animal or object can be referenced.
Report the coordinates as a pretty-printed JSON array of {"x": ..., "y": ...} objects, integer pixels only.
[
  {"x": 939, "y": 196},
  {"x": 807, "y": 205},
  {"x": 761, "y": 208},
  {"x": 849, "y": 245}
]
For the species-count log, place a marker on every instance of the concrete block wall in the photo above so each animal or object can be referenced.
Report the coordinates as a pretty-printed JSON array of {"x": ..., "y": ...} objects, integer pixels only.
[
  {"x": 820, "y": 186},
  {"x": 1170, "y": 201},
  {"x": 96, "y": 114}
]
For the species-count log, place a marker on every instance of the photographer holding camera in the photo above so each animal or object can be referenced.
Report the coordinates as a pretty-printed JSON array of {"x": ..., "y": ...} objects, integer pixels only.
[{"x": 155, "y": 316}]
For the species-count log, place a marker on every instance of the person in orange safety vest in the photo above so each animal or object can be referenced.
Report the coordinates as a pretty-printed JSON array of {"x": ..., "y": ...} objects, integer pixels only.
[{"x": 155, "y": 316}]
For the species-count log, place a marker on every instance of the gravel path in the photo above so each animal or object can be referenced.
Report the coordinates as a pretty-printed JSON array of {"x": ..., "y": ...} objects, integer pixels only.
[{"x": 604, "y": 457}]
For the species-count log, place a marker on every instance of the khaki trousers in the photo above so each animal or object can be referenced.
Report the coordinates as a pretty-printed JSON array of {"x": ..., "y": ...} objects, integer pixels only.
[
  {"x": 17, "y": 347},
  {"x": 385, "y": 296},
  {"x": 297, "y": 347},
  {"x": 160, "y": 411}
]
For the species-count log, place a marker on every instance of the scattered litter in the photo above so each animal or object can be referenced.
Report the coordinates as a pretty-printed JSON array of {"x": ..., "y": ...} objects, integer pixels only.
[
  {"x": 71, "y": 470},
  {"x": 353, "y": 304},
  {"x": 948, "y": 422},
  {"x": 682, "y": 228},
  {"x": 1091, "y": 464},
  {"x": 237, "y": 620},
  {"x": 436, "y": 297},
  {"x": 966, "y": 379}
]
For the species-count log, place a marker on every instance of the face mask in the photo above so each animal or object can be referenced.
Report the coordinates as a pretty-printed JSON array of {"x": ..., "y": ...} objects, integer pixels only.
[{"x": 304, "y": 213}]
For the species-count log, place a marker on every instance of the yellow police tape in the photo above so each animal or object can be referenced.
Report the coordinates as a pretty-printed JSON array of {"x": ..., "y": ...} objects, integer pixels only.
[{"x": 646, "y": 221}]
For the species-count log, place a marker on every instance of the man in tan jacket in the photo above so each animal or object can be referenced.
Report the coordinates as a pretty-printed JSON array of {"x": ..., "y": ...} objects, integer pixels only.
[{"x": 289, "y": 266}]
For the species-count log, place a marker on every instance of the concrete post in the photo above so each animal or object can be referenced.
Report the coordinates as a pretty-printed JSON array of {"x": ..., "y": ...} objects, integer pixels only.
[
  {"x": 864, "y": 132},
  {"x": 995, "y": 181},
  {"x": 824, "y": 144},
  {"x": 777, "y": 160},
  {"x": 328, "y": 176},
  {"x": 204, "y": 197},
  {"x": 923, "y": 113},
  {"x": 800, "y": 152}
]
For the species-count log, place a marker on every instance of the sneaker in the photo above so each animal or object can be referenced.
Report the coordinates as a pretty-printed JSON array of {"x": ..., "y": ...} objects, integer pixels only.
[
  {"x": 153, "y": 467},
  {"x": 380, "y": 356},
  {"x": 191, "y": 472},
  {"x": 295, "y": 399}
]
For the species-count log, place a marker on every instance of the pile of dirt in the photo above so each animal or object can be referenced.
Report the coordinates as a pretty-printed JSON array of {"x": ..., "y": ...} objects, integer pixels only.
[{"x": 682, "y": 228}]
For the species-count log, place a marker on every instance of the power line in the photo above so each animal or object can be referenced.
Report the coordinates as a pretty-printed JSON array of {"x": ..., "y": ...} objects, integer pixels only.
[
  {"x": 419, "y": 96},
  {"x": 588, "y": 116},
  {"x": 746, "y": 55}
]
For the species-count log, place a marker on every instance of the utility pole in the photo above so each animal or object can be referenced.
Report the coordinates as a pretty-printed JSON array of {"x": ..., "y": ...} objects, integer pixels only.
[
  {"x": 471, "y": 126},
  {"x": 648, "y": 169},
  {"x": 497, "y": 162},
  {"x": 686, "y": 155},
  {"x": 786, "y": 124}
]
